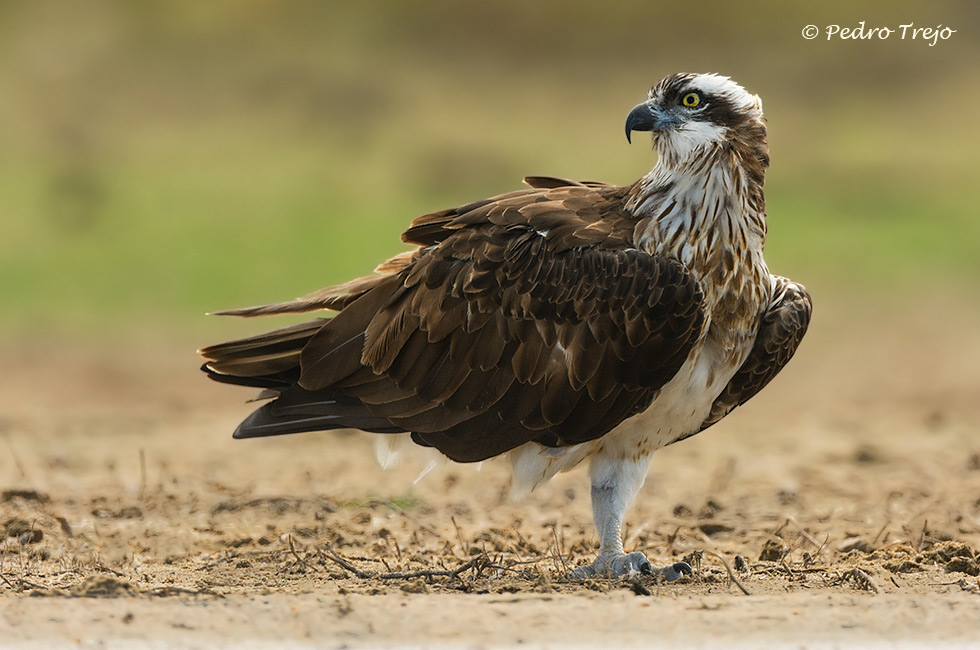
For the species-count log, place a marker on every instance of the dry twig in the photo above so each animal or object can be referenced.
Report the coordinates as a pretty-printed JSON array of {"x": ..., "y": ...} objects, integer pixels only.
[
  {"x": 23, "y": 583},
  {"x": 477, "y": 562},
  {"x": 731, "y": 576},
  {"x": 558, "y": 553},
  {"x": 292, "y": 549},
  {"x": 790, "y": 571}
]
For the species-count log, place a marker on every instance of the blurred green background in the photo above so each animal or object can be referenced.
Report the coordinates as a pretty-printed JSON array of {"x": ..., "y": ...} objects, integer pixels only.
[{"x": 163, "y": 159}]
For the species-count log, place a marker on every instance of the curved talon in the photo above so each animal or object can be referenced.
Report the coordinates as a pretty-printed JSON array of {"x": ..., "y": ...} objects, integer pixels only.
[
  {"x": 676, "y": 570},
  {"x": 625, "y": 564}
]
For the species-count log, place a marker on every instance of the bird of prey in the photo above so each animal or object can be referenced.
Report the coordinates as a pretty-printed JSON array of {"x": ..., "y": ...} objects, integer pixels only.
[{"x": 565, "y": 322}]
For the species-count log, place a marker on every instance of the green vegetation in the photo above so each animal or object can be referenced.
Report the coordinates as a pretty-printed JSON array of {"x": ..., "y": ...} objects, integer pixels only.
[{"x": 163, "y": 161}]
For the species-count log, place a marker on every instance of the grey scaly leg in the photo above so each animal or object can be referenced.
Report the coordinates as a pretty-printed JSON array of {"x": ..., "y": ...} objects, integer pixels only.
[{"x": 615, "y": 483}]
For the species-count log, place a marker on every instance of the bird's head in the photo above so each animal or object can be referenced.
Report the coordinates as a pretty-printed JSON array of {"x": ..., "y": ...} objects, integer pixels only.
[{"x": 689, "y": 113}]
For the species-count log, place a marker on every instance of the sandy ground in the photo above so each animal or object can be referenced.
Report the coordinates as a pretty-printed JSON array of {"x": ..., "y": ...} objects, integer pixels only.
[{"x": 845, "y": 500}]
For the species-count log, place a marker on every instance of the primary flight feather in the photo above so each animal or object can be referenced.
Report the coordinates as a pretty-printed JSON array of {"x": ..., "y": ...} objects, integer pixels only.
[{"x": 564, "y": 322}]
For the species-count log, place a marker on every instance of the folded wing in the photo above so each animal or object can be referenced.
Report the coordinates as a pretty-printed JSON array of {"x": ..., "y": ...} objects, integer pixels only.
[
  {"x": 526, "y": 317},
  {"x": 780, "y": 333}
]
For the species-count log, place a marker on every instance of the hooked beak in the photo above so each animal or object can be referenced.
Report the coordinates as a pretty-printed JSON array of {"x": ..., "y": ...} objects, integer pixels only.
[{"x": 649, "y": 117}]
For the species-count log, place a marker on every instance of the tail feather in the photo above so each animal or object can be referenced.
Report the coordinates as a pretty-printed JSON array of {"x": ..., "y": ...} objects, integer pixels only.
[
  {"x": 297, "y": 411},
  {"x": 269, "y": 354},
  {"x": 261, "y": 423},
  {"x": 551, "y": 182},
  {"x": 271, "y": 361},
  {"x": 274, "y": 382},
  {"x": 264, "y": 343},
  {"x": 334, "y": 298}
]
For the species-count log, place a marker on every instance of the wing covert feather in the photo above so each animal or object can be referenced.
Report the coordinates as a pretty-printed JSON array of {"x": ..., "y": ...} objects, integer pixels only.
[
  {"x": 527, "y": 317},
  {"x": 780, "y": 334}
]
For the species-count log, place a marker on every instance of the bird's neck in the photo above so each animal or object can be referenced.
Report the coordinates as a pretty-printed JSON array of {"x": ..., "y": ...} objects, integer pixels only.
[
  {"x": 710, "y": 215},
  {"x": 701, "y": 211}
]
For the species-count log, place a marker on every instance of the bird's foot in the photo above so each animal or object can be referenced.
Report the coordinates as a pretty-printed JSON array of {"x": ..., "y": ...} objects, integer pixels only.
[{"x": 624, "y": 564}]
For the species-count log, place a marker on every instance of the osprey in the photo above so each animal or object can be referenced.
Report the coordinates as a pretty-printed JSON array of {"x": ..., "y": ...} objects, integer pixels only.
[{"x": 564, "y": 322}]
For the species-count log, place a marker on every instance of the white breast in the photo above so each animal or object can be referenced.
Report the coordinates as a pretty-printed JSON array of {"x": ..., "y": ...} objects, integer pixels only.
[{"x": 678, "y": 410}]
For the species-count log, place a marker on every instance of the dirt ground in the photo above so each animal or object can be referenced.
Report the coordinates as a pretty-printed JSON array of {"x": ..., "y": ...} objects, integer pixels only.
[{"x": 845, "y": 500}]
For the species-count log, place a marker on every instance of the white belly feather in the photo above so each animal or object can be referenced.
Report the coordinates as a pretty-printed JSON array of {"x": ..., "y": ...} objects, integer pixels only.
[{"x": 678, "y": 410}]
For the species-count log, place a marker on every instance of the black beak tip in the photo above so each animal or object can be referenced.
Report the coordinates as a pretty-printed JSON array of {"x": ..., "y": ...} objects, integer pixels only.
[{"x": 639, "y": 119}]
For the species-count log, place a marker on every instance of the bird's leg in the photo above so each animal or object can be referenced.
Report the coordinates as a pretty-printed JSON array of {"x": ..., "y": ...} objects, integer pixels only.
[{"x": 615, "y": 483}]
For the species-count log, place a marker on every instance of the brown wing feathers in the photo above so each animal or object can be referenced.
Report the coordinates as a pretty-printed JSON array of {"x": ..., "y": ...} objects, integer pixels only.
[
  {"x": 525, "y": 317},
  {"x": 780, "y": 334}
]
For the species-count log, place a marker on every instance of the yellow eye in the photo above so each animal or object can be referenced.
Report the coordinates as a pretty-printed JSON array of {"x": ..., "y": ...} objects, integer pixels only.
[{"x": 691, "y": 100}]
